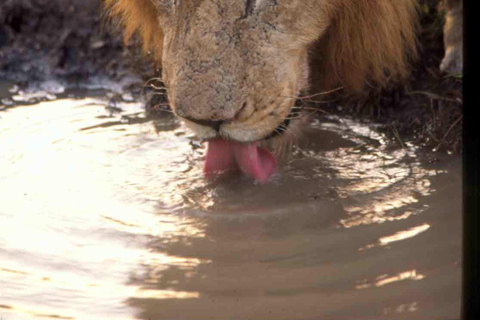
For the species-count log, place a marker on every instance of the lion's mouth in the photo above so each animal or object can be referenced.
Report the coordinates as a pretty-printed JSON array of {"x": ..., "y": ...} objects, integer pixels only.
[
  {"x": 283, "y": 126},
  {"x": 249, "y": 158}
]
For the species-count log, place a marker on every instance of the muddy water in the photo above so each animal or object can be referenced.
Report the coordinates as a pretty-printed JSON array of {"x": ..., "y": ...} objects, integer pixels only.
[{"x": 102, "y": 216}]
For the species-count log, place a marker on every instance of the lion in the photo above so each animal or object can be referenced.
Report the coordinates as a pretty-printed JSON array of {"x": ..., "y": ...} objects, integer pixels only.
[{"x": 234, "y": 68}]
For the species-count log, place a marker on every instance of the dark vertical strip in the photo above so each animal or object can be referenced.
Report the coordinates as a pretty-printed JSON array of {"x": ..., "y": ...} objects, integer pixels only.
[
  {"x": 249, "y": 8},
  {"x": 471, "y": 177}
]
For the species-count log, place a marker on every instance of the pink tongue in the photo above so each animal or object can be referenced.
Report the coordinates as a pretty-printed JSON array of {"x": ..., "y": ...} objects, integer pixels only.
[{"x": 254, "y": 161}]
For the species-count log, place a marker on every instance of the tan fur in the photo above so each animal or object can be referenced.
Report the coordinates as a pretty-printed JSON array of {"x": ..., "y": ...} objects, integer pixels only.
[
  {"x": 138, "y": 16},
  {"x": 365, "y": 39},
  {"x": 453, "y": 37},
  {"x": 224, "y": 61}
]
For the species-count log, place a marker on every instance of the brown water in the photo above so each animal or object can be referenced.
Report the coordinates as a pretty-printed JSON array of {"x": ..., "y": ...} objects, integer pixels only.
[{"x": 102, "y": 217}]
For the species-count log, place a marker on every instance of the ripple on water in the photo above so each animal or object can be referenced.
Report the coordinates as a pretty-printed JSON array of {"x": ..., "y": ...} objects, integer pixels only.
[{"x": 104, "y": 217}]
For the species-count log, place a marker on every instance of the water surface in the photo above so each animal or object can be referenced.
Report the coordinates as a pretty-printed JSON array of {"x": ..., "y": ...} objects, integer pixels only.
[{"x": 105, "y": 216}]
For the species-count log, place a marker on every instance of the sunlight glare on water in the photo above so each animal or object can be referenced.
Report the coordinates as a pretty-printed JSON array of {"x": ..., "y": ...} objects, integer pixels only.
[
  {"x": 102, "y": 217},
  {"x": 61, "y": 223}
]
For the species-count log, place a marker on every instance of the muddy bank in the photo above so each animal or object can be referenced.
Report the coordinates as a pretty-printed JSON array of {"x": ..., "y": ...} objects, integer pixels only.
[
  {"x": 72, "y": 42},
  {"x": 427, "y": 109},
  {"x": 64, "y": 41}
]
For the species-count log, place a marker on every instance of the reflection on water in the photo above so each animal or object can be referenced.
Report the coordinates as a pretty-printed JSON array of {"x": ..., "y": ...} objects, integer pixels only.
[
  {"x": 402, "y": 235},
  {"x": 381, "y": 183},
  {"x": 386, "y": 279},
  {"x": 103, "y": 217},
  {"x": 412, "y": 274}
]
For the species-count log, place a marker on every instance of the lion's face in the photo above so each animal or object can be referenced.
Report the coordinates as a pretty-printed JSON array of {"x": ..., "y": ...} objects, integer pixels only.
[{"x": 233, "y": 68}]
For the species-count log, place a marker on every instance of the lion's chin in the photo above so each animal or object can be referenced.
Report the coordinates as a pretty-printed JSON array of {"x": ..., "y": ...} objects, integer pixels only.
[
  {"x": 249, "y": 158},
  {"x": 235, "y": 132},
  {"x": 234, "y": 148}
]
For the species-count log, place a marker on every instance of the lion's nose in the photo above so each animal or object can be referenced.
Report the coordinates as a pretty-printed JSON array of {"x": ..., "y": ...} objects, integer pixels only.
[{"x": 215, "y": 125}]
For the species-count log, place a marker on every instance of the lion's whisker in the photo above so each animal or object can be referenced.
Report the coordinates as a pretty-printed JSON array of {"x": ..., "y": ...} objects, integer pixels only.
[
  {"x": 147, "y": 83},
  {"x": 288, "y": 117},
  {"x": 158, "y": 107},
  {"x": 312, "y": 95},
  {"x": 158, "y": 88},
  {"x": 153, "y": 79},
  {"x": 319, "y": 93},
  {"x": 319, "y": 102},
  {"x": 309, "y": 108}
]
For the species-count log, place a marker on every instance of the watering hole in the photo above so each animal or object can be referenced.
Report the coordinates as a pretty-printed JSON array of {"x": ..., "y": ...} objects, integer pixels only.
[{"x": 105, "y": 216}]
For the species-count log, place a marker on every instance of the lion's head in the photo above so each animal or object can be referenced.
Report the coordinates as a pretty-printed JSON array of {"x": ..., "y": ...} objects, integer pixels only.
[{"x": 233, "y": 68}]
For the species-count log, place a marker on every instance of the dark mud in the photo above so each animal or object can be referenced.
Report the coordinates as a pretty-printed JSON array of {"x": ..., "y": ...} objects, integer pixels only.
[
  {"x": 67, "y": 43},
  {"x": 427, "y": 108}
]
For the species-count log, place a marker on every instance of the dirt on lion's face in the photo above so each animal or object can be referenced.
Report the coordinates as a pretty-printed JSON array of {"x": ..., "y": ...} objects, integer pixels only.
[{"x": 233, "y": 69}]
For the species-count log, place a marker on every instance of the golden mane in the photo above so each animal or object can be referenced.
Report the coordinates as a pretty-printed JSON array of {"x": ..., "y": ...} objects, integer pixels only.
[
  {"x": 138, "y": 16},
  {"x": 367, "y": 40}
]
